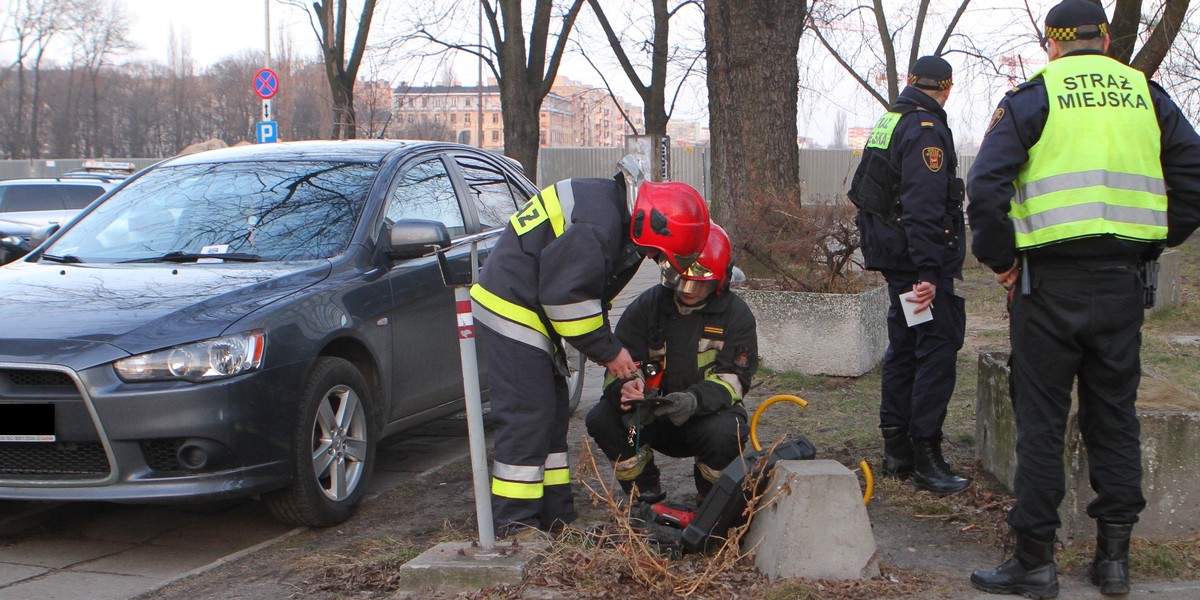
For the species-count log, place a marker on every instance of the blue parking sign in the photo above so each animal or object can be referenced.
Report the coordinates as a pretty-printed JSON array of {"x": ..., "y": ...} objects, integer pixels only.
[{"x": 267, "y": 132}]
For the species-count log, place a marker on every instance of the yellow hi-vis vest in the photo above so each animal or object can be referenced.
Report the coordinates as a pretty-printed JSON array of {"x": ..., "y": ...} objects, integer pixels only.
[{"x": 1096, "y": 169}]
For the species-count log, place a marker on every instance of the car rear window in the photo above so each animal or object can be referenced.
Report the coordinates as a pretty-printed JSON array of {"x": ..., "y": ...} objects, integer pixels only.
[
  {"x": 22, "y": 198},
  {"x": 281, "y": 210},
  {"x": 79, "y": 196}
]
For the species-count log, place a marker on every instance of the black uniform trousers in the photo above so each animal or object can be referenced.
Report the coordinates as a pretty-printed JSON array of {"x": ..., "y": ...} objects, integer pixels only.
[
  {"x": 715, "y": 440},
  {"x": 919, "y": 366},
  {"x": 530, "y": 411},
  {"x": 1082, "y": 320}
]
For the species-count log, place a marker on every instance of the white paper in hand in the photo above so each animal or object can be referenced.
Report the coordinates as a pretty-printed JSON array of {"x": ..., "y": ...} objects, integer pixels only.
[{"x": 914, "y": 318}]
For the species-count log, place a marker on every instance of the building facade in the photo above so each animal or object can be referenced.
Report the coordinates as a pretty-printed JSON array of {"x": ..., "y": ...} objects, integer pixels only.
[{"x": 571, "y": 115}]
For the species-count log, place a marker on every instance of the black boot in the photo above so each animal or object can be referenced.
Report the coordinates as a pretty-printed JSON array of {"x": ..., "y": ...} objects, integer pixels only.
[
  {"x": 897, "y": 452},
  {"x": 1110, "y": 568},
  {"x": 930, "y": 471},
  {"x": 1029, "y": 572}
]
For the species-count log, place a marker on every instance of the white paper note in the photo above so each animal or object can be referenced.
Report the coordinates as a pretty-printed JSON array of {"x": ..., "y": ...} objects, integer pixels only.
[{"x": 914, "y": 318}]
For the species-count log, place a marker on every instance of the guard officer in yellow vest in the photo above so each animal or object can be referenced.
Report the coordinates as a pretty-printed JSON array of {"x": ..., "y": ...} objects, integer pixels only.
[
  {"x": 552, "y": 276},
  {"x": 1085, "y": 173},
  {"x": 910, "y": 221}
]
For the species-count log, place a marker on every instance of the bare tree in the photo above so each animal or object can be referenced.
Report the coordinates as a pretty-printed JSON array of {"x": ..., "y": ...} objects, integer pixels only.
[
  {"x": 752, "y": 98},
  {"x": 523, "y": 73},
  {"x": 1159, "y": 30},
  {"x": 341, "y": 70},
  {"x": 654, "y": 92},
  {"x": 33, "y": 24},
  {"x": 102, "y": 33},
  {"x": 839, "y": 130},
  {"x": 866, "y": 28}
]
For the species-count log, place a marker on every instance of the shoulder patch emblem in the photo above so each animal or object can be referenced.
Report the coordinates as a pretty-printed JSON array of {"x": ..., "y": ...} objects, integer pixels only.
[
  {"x": 996, "y": 116},
  {"x": 933, "y": 158},
  {"x": 926, "y": 123}
]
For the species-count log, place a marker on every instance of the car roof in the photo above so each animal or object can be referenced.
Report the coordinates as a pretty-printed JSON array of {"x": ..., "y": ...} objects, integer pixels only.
[
  {"x": 364, "y": 151},
  {"x": 92, "y": 181}
]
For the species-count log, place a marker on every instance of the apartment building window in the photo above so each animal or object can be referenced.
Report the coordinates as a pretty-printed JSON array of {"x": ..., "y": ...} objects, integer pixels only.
[
  {"x": 453, "y": 118},
  {"x": 467, "y": 118},
  {"x": 495, "y": 118},
  {"x": 495, "y": 135}
]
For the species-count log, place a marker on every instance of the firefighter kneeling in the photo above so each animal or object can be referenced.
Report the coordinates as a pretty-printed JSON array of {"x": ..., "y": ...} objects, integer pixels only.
[{"x": 703, "y": 338}]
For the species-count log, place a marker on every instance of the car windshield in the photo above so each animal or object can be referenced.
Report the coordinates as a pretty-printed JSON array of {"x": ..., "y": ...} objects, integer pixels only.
[{"x": 294, "y": 210}]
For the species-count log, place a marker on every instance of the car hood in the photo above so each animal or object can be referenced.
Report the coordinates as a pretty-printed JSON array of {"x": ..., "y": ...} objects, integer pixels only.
[{"x": 140, "y": 307}]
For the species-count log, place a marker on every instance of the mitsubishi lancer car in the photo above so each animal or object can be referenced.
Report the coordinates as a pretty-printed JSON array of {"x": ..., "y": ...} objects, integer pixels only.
[{"x": 246, "y": 322}]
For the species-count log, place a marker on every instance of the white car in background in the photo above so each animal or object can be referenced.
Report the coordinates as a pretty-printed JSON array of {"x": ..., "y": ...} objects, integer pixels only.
[{"x": 29, "y": 204}]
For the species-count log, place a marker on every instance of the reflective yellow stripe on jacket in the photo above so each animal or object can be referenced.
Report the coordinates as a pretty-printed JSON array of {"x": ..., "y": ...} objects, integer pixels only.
[{"x": 1096, "y": 169}]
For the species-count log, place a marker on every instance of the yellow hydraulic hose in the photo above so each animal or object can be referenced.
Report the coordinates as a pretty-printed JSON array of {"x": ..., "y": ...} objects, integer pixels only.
[
  {"x": 797, "y": 400},
  {"x": 762, "y": 407}
]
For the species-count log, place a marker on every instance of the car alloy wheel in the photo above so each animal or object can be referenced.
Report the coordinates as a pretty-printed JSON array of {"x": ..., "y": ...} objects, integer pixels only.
[
  {"x": 339, "y": 443},
  {"x": 333, "y": 447}
]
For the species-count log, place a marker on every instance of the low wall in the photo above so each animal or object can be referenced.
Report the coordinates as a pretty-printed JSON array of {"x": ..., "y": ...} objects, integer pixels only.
[
  {"x": 1170, "y": 418},
  {"x": 820, "y": 334}
]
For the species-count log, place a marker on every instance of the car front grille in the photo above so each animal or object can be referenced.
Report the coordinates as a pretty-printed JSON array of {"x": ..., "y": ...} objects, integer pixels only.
[
  {"x": 61, "y": 460},
  {"x": 20, "y": 458},
  {"x": 32, "y": 378}
]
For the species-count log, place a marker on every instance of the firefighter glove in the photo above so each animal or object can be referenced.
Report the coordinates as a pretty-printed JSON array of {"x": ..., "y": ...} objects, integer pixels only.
[{"x": 680, "y": 408}]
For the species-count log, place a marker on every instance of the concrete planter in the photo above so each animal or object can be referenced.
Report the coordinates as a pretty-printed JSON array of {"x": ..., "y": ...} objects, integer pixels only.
[
  {"x": 1170, "y": 418},
  {"x": 820, "y": 334}
]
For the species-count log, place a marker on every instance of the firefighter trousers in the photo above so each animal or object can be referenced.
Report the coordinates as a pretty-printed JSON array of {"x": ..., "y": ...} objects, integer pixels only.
[
  {"x": 531, "y": 482},
  {"x": 1081, "y": 323},
  {"x": 714, "y": 440}
]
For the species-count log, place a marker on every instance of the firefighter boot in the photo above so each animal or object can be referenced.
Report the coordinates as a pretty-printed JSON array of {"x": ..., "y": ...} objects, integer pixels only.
[
  {"x": 1110, "y": 568},
  {"x": 1030, "y": 571},
  {"x": 897, "y": 452},
  {"x": 641, "y": 470},
  {"x": 930, "y": 471}
]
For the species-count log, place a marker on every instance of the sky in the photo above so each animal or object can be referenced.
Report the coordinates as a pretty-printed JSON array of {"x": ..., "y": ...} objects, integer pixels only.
[{"x": 218, "y": 29}]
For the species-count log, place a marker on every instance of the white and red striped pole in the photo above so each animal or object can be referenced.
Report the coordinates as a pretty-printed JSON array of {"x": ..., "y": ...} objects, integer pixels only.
[{"x": 474, "y": 402}]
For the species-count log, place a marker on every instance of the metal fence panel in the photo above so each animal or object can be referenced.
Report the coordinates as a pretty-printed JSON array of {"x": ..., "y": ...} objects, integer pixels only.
[{"x": 824, "y": 174}]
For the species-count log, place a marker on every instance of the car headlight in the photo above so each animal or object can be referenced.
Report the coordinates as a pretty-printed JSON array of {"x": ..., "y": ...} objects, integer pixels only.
[{"x": 199, "y": 361}]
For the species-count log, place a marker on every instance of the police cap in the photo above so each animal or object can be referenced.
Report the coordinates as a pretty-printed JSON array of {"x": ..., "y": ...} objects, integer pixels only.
[
  {"x": 931, "y": 73},
  {"x": 1072, "y": 20}
]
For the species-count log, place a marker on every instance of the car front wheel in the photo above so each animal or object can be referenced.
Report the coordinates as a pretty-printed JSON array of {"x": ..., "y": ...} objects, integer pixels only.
[{"x": 333, "y": 447}]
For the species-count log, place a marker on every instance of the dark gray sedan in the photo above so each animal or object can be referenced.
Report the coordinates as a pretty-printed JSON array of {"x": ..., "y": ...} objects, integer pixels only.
[{"x": 244, "y": 321}]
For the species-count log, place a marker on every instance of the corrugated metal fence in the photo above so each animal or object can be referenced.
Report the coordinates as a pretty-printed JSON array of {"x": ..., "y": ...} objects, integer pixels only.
[{"x": 824, "y": 174}]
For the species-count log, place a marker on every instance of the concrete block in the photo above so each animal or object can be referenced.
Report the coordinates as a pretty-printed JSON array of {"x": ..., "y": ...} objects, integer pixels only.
[
  {"x": 827, "y": 334},
  {"x": 816, "y": 527},
  {"x": 453, "y": 567},
  {"x": 1170, "y": 417}
]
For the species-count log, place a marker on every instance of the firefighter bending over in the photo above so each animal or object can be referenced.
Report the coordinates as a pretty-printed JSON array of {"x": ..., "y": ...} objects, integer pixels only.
[{"x": 551, "y": 277}]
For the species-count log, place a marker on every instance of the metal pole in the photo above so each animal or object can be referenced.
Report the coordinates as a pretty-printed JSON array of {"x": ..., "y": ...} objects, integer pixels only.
[
  {"x": 479, "y": 67},
  {"x": 267, "y": 13},
  {"x": 474, "y": 402}
]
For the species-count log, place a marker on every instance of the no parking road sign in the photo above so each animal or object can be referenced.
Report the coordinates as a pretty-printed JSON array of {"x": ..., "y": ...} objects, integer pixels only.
[{"x": 266, "y": 83}]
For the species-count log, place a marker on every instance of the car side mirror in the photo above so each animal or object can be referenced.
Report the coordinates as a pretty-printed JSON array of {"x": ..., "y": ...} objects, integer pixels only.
[
  {"x": 411, "y": 238},
  {"x": 41, "y": 234}
]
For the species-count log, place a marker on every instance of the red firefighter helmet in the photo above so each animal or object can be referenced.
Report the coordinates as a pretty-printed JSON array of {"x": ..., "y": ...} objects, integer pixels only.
[
  {"x": 714, "y": 265},
  {"x": 670, "y": 217}
]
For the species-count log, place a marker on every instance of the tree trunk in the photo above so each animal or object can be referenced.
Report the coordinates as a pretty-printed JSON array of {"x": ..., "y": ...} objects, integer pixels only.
[
  {"x": 522, "y": 109},
  {"x": 345, "y": 124},
  {"x": 752, "y": 96}
]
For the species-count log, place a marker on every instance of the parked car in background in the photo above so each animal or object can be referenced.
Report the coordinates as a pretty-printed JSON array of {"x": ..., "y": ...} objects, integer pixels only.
[
  {"x": 245, "y": 321},
  {"x": 29, "y": 204}
]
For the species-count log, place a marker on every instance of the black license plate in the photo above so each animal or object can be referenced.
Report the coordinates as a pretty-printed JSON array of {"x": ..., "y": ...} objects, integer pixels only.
[{"x": 27, "y": 423}]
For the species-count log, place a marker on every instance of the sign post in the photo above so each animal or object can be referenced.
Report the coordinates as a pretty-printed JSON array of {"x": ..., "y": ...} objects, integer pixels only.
[{"x": 266, "y": 84}]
